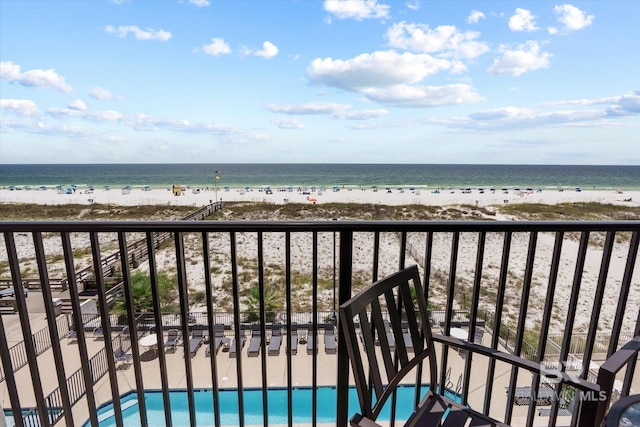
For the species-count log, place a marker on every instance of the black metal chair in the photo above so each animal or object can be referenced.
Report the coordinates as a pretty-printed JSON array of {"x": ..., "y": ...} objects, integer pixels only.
[{"x": 400, "y": 298}]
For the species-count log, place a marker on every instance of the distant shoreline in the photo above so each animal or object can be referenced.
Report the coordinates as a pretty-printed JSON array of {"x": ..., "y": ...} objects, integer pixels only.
[{"x": 419, "y": 196}]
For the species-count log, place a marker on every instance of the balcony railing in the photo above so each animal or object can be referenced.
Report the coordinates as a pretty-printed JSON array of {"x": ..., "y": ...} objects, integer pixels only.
[{"x": 564, "y": 294}]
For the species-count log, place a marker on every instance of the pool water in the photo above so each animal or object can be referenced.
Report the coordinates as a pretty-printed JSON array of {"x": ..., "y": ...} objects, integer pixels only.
[{"x": 277, "y": 406}]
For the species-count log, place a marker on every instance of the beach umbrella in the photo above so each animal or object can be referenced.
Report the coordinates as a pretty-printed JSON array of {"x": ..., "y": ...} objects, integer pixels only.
[{"x": 313, "y": 199}]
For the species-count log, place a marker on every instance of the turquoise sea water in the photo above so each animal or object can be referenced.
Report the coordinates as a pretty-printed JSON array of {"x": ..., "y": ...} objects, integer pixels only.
[
  {"x": 277, "y": 406},
  {"x": 295, "y": 175}
]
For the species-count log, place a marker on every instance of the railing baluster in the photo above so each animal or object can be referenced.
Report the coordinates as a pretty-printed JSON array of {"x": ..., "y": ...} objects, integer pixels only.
[
  {"x": 314, "y": 327},
  {"x": 376, "y": 254},
  {"x": 497, "y": 318},
  {"x": 237, "y": 325},
  {"x": 287, "y": 287},
  {"x": 53, "y": 329},
  {"x": 473, "y": 314},
  {"x": 597, "y": 303},
  {"x": 522, "y": 318},
  {"x": 25, "y": 325},
  {"x": 211, "y": 322},
  {"x": 8, "y": 367},
  {"x": 159, "y": 328},
  {"x": 263, "y": 322},
  {"x": 453, "y": 264},
  {"x": 184, "y": 314},
  {"x": 624, "y": 292},
  {"x": 106, "y": 327},
  {"x": 346, "y": 273},
  {"x": 133, "y": 327},
  {"x": 571, "y": 314},
  {"x": 78, "y": 322}
]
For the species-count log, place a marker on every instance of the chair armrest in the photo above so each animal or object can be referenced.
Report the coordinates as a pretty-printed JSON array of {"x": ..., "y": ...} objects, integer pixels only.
[
  {"x": 529, "y": 365},
  {"x": 359, "y": 421},
  {"x": 611, "y": 366},
  {"x": 617, "y": 360}
]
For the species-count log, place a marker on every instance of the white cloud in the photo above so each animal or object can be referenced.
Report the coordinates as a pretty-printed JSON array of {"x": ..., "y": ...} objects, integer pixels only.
[
  {"x": 148, "y": 34},
  {"x": 572, "y": 18},
  {"x": 624, "y": 105},
  {"x": 356, "y": 9},
  {"x": 41, "y": 79},
  {"x": 339, "y": 111},
  {"x": 552, "y": 30},
  {"x": 92, "y": 116},
  {"x": 268, "y": 51},
  {"x": 414, "y": 5},
  {"x": 100, "y": 93},
  {"x": 405, "y": 96},
  {"x": 200, "y": 3},
  {"x": 475, "y": 17},
  {"x": 361, "y": 114},
  {"x": 378, "y": 69},
  {"x": 390, "y": 78},
  {"x": 288, "y": 124},
  {"x": 77, "y": 105},
  {"x": 217, "y": 47},
  {"x": 527, "y": 57},
  {"x": 21, "y": 107},
  {"x": 446, "y": 40},
  {"x": 551, "y": 114},
  {"x": 522, "y": 20},
  {"x": 310, "y": 108}
]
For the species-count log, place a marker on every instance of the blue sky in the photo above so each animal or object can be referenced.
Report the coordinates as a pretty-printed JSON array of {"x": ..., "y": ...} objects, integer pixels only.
[{"x": 336, "y": 81}]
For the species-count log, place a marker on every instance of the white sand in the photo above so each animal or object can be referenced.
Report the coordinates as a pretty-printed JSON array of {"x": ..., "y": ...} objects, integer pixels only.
[
  {"x": 363, "y": 247},
  {"x": 139, "y": 197}
]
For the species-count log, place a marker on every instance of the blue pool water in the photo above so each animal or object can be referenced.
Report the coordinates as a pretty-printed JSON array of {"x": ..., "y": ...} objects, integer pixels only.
[{"x": 277, "y": 406}]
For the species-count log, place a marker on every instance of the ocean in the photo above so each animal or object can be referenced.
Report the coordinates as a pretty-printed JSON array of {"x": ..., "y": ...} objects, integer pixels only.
[{"x": 327, "y": 175}]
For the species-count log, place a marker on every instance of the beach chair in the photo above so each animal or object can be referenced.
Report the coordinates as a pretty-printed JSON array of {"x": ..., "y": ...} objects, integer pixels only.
[
  {"x": 406, "y": 336},
  {"x": 173, "y": 339},
  {"x": 391, "y": 342},
  {"x": 197, "y": 336},
  {"x": 276, "y": 340},
  {"x": 98, "y": 333},
  {"x": 477, "y": 337},
  {"x": 72, "y": 335},
  {"x": 254, "y": 342},
  {"x": 122, "y": 357},
  {"x": 378, "y": 378},
  {"x": 292, "y": 342},
  {"x": 330, "y": 339},
  {"x": 234, "y": 349},
  {"x": 311, "y": 342},
  {"x": 218, "y": 339}
]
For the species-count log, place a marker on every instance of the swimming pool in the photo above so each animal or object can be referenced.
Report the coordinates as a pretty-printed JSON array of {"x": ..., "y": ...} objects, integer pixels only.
[{"x": 277, "y": 406}]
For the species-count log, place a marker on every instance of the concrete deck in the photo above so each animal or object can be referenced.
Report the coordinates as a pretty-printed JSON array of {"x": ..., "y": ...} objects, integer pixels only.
[{"x": 276, "y": 372}]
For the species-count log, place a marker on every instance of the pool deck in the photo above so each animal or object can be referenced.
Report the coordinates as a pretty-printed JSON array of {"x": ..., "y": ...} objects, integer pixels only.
[{"x": 276, "y": 372}]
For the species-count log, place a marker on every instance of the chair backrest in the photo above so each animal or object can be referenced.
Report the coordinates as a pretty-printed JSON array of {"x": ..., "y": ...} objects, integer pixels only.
[{"x": 400, "y": 300}]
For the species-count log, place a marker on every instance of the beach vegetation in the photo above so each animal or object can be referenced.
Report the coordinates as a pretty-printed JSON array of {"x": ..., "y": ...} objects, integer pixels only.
[
  {"x": 571, "y": 211},
  {"x": 197, "y": 297},
  {"x": 96, "y": 211},
  {"x": 251, "y": 303},
  {"x": 142, "y": 294}
]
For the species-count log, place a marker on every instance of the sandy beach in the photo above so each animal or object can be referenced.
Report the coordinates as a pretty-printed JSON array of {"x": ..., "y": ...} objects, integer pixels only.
[
  {"x": 393, "y": 196},
  {"x": 363, "y": 243}
]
